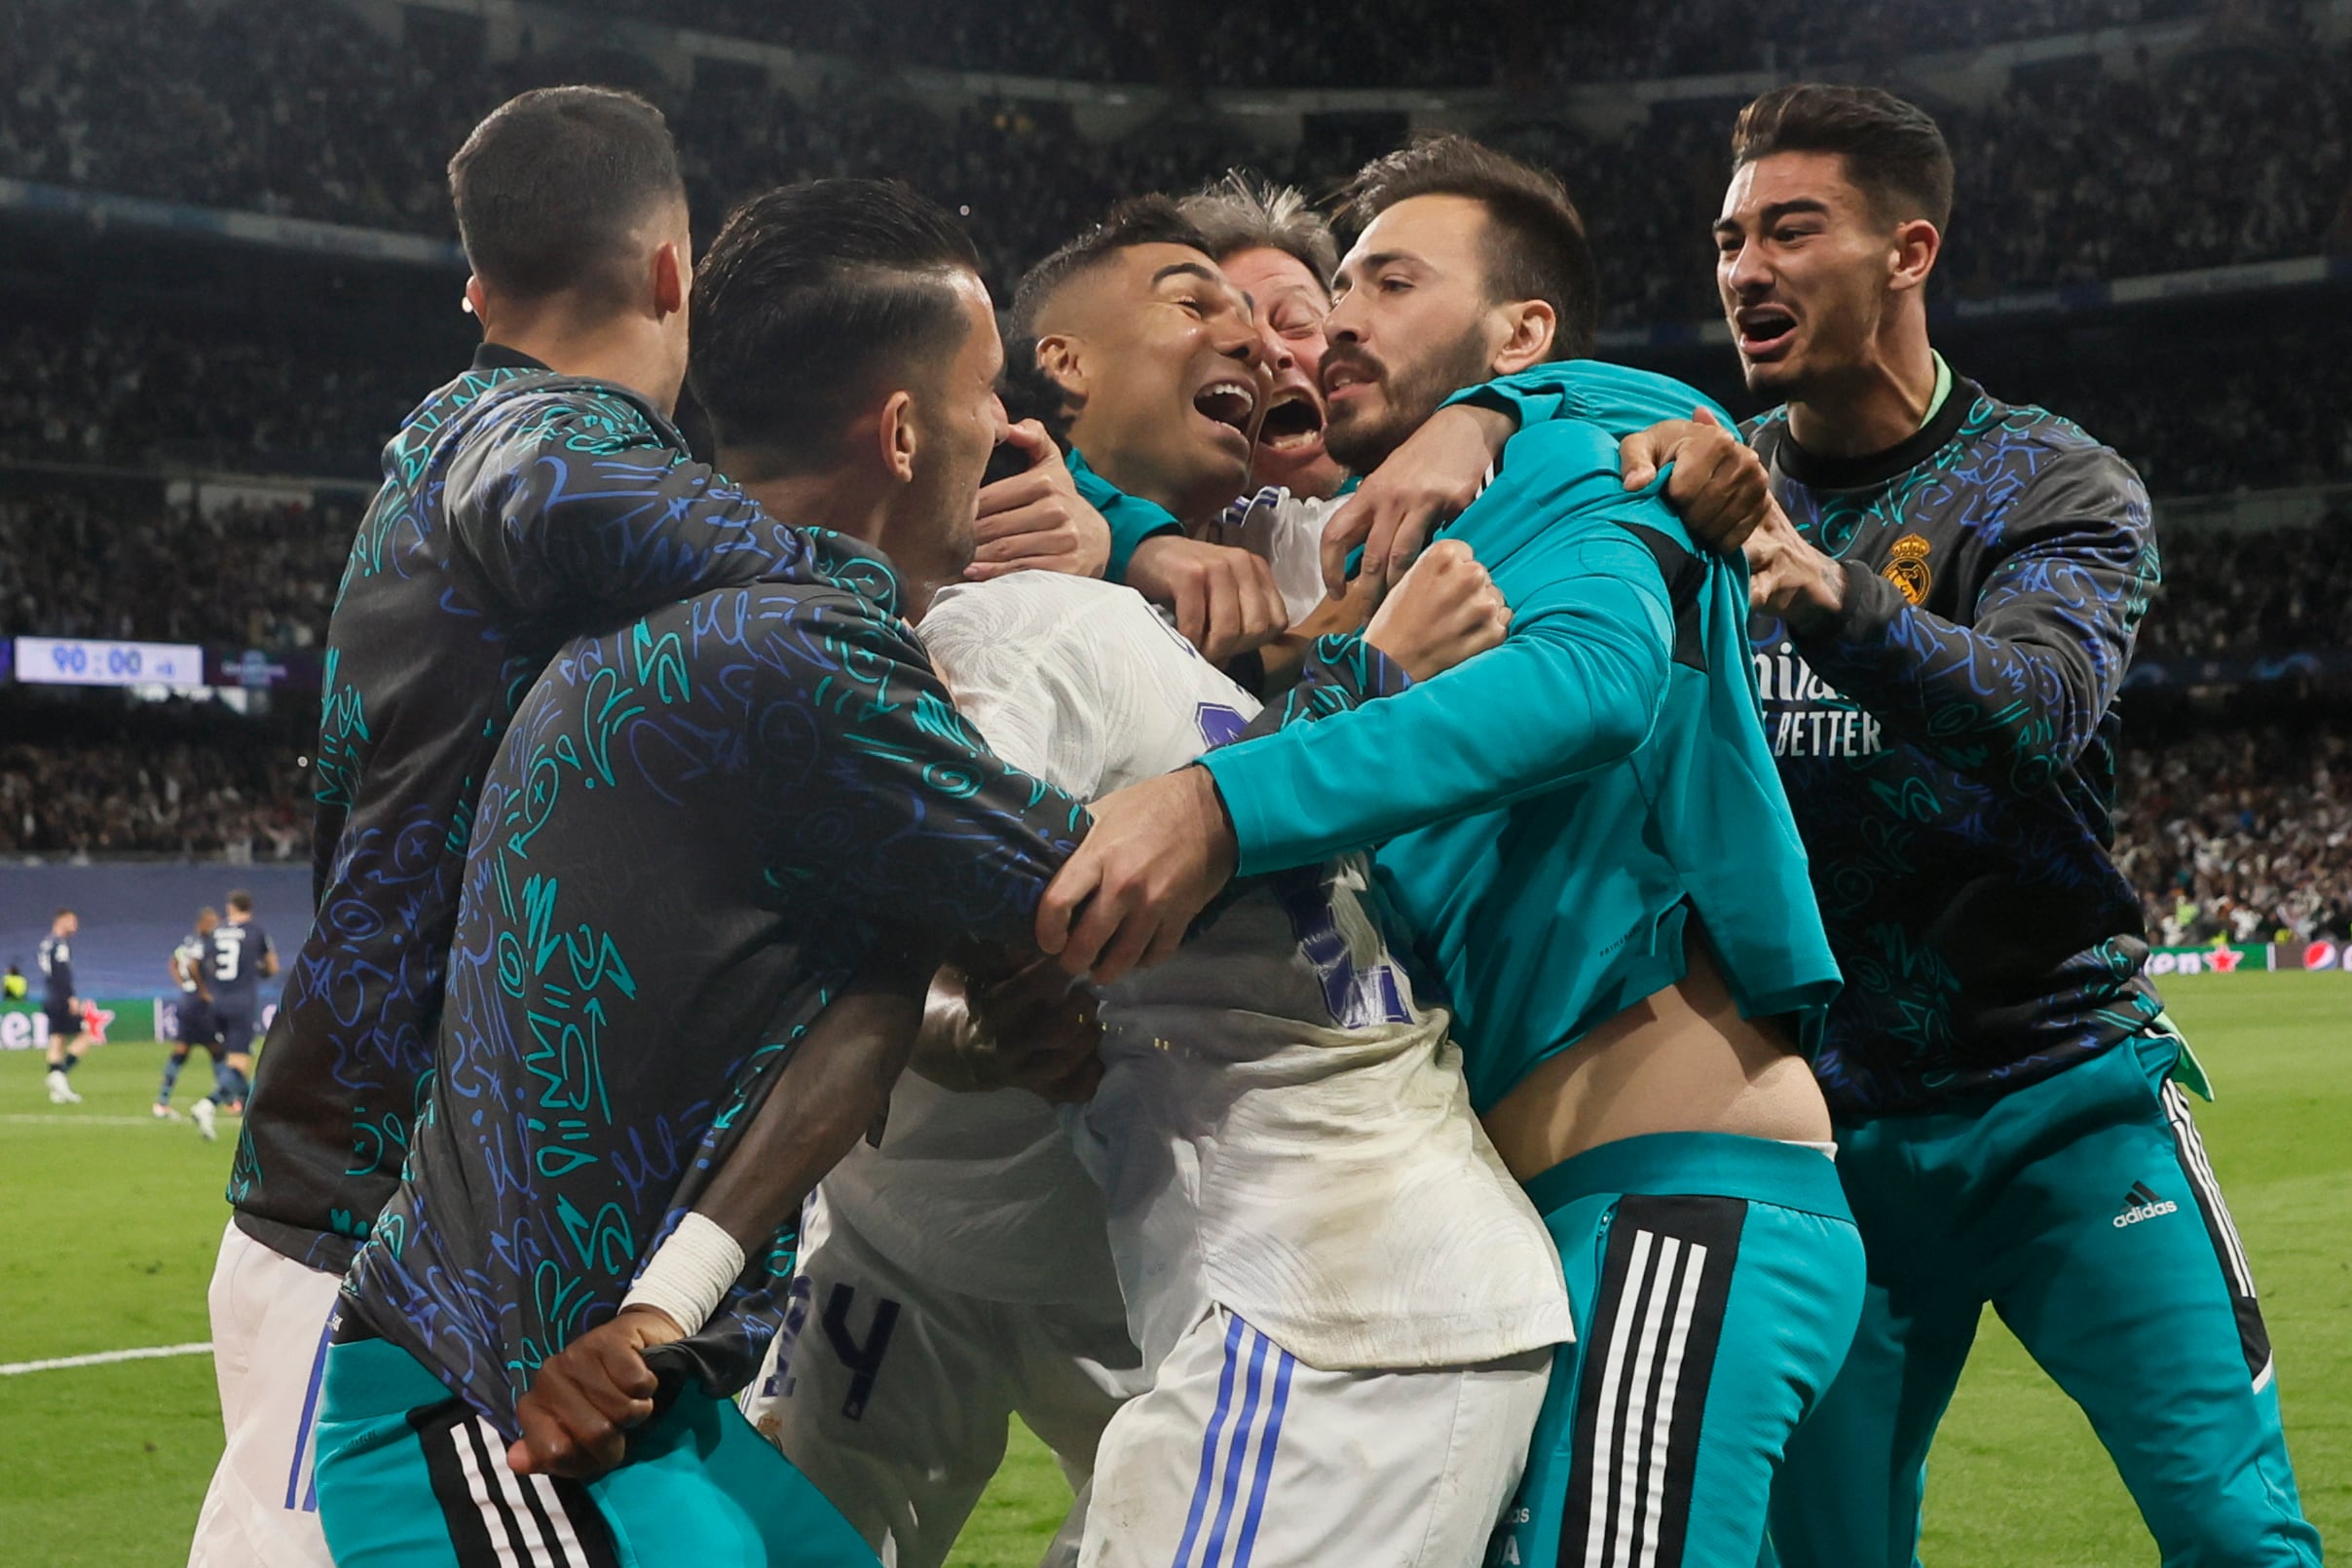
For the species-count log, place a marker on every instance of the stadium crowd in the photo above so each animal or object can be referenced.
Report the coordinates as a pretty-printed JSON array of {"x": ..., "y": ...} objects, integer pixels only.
[
  {"x": 2241, "y": 834},
  {"x": 249, "y": 576},
  {"x": 176, "y": 779},
  {"x": 237, "y": 106}
]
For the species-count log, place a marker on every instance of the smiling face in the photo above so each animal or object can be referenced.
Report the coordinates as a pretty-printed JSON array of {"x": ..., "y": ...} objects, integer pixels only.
[
  {"x": 1805, "y": 266},
  {"x": 1157, "y": 354},
  {"x": 1411, "y": 325},
  {"x": 1290, "y": 303}
]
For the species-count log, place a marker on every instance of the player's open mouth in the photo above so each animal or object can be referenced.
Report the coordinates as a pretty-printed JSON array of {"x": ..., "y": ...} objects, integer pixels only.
[
  {"x": 1293, "y": 425},
  {"x": 1763, "y": 330},
  {"x": 1227, "y": 402},
  {"x": 1340, "y": 380}
]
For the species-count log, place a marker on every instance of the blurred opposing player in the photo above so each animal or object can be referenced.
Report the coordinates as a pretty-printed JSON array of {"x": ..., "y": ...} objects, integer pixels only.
[
  {"x": 238, "y": 955},
  {"x": 786, "y": 772},
  {"x": 1584, "y": 829},
  {"x": 61, "y": 1007},
  {"x": 543, "y": 491},
  {"x": 1946, "y": 592},
  {"x": 198, "y": 1027}
]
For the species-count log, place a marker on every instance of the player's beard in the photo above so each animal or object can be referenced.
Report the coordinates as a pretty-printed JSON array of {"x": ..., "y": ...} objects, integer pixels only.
[{"x": 1409, "y": 396}]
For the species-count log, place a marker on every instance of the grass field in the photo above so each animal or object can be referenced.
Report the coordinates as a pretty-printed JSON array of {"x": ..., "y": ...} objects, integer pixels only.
[{"x": 108, "y": 1223}]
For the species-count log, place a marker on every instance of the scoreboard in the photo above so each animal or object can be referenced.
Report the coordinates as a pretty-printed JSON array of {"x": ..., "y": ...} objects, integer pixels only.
[{"x": 98, "y": 662}]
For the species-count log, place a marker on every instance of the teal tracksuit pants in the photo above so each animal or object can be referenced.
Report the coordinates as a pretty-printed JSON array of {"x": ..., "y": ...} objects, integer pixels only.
[
  {"x": 411, "y": 1478},
  {"x": 1715, "y": 1281},
  {"x": 2084, "y": 1209}
]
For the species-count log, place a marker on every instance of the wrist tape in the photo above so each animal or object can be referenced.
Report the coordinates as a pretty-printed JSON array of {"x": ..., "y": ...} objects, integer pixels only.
[{"x": 689, "y": 1273}]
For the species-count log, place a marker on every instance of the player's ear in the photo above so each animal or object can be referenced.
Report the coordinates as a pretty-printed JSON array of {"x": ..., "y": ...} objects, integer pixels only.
[
  {"x": 1917, "y": 244},
  {"x": 475, "y": 302},
  {"x": 673, "y": 280},
  {"x": 1064, "y": 360},
  {"x": 895, "y": 433},
  {"x": 1532, "y": 326}
]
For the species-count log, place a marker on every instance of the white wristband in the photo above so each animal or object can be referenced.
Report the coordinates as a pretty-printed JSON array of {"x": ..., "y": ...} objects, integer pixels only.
[{"x": 689, "y": 1273}]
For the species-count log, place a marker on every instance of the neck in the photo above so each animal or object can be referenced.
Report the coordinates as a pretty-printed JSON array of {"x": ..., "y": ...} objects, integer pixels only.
[
  {"x": 601, "y": 345},
  {"x": 1123, "y": 465},
  {"x": 845, "y": 502},
  {"x": 1875, "y": 406}
]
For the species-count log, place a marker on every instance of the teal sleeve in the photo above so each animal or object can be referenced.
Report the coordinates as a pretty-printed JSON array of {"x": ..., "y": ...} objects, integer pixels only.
[
  {"x": 1576, "y": 686},
  {"x": 1131, "y": 518}
]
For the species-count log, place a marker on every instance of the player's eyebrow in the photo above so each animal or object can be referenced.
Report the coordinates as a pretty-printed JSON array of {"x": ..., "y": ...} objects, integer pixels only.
[
  {"x": 1810, "y": 204},
  {"x": 1191, "y": 268}
]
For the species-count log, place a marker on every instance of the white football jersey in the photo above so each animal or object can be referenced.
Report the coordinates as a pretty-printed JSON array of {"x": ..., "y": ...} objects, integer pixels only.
[
  {"x": 1280, "y": 1130},
  {"x": 1286, "y": 532}
]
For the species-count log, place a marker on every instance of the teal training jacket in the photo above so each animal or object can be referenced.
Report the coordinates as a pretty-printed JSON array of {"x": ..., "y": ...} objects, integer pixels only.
[{"x": 1549, "y": 815}]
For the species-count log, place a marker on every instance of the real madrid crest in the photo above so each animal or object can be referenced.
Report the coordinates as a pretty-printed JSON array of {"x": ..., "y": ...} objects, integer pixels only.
[{"x": 1908, "y": 571}]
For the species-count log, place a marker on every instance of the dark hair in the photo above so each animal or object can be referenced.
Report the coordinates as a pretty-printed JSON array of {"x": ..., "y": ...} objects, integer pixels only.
[
  {"x": 1240, "y": 211},
  {"x": 1141, "y": 221},
  {"x": 807, "y": 298},
  {"x": 1535, "y": 237},
  {"x": 242, "y": 902},
  {"x": 1892, "y": 151},
  {"x": 1028, "y": 393},
  {"x": 552, "y": 187}
]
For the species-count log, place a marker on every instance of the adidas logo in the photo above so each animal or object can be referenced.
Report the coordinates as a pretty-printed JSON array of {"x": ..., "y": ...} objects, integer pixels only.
[{"x": 2142, "y": 1204}]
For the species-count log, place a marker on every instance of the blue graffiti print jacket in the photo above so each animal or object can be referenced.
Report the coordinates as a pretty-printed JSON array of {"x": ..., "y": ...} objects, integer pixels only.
[
  {"x": 1949, "y": 745},
  {"x": 518, "y": 509},
  {"x": 686, "y": 840}
]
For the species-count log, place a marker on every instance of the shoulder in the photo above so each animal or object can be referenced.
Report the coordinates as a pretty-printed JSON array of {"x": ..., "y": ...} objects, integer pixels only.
[
  {"x": 2055, "y": 468},
  {"x": 1031, "y": 610}
]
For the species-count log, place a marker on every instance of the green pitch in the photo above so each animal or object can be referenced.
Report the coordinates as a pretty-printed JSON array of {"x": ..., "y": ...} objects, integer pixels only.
[{"x": 108, "y": 1223}]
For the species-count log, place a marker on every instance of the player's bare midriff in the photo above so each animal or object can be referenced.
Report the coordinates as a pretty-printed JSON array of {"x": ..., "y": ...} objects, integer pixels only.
[{"x": 1679, "y": 1061}]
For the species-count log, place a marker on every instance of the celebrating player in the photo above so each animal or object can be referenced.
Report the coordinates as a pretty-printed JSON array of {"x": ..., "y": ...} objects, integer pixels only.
[
  {"x": 196, "y": 1025},
  {"x": 61, "y": 1007},
  {"x": 1947, "y": 589},
  {"x": 1584, "y": 829},
  {"x": 788, "y": 774},
  {"x": 542, "y": 491}
]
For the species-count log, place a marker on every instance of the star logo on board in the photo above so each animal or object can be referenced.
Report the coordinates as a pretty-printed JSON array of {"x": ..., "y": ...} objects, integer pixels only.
[
  {"x": 2224, "y": 960},
  {"x": 94, "y": 1020}
]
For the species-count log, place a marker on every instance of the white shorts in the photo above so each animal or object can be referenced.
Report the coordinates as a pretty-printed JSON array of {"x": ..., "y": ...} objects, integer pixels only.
[
  {"x": 1243, "y": 1456},
  {"x": 269, "y": 1351},
  {"x": 892, "y": 1395}
]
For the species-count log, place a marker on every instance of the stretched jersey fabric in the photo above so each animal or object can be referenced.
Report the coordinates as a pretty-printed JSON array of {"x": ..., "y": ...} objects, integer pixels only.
[
  {"x": 233, "y": 962},
  {"x": 56, "y": 958},
  {"x": 1286, "y": 532},
  {"x": 518, "y": 509},
  {"x": 1550, "y": 814},
  {"x": 685, "y": 838},
  {"x": 1949, "y": 744},
  {"x": 1280, "y": 1130}
]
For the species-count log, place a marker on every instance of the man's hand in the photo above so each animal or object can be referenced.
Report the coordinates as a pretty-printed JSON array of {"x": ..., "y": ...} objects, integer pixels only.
[
  {"x": 1158, "y": 853},
  {"x": 1789, "y": 578},
  {"x": 1425, "y": 483},
  {"x": 1444, "y": 610},
  {"x": 1718, "y": 488},
  {"x": 1225, "y": 599},
  {"x": 576, "y": 1412},
  {"x": 1035, "y": 1029},
  {"x": 1038, "y": 521}
]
